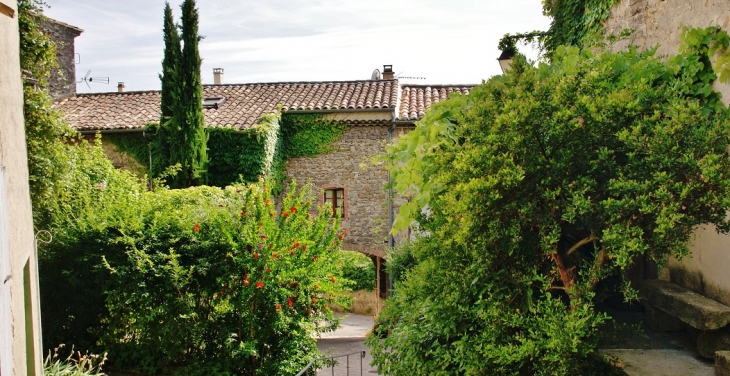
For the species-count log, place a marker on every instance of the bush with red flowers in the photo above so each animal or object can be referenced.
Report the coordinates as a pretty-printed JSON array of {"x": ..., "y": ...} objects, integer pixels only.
[{"x": 203, "y": 287}]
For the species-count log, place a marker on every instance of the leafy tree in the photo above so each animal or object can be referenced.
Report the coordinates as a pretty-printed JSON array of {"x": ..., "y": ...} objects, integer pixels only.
[
  {"x": 181, "y": 138},
  {"x": 541, "y": 184},
  {"x": 169, "y": 125},
  {"x": 189, "y": 148}
]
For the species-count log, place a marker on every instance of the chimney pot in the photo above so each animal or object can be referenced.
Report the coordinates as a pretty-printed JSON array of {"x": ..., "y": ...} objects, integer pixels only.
[
  {"x": 388, "y": 72},
  {"x": 218, "y": 76},
  {"x": 120, "y": 87}
]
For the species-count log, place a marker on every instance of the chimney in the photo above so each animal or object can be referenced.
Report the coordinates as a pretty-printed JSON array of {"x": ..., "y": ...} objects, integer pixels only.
[
  {"x": 218, "y": 76},
  {"x": 388, "y": 72},
  {"x": 120, "y": 87}
]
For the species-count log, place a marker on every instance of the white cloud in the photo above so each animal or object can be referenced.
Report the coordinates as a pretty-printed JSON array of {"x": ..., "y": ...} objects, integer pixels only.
[{"x": 301, "y": 40}]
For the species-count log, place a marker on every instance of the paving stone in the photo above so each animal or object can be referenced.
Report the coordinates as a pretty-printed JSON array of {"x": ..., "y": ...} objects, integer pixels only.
[{"x": 722, "y": 363}]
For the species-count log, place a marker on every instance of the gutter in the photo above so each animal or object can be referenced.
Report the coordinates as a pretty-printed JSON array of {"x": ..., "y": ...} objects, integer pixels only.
[{"x": 391, "y": 214}]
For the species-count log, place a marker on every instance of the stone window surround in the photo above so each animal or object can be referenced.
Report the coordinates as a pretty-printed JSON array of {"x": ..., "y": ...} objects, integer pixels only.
[{"x": 345, "y": 202}]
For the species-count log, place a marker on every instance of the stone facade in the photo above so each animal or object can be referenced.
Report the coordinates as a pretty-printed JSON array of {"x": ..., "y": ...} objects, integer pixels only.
[
  {"x": 349, "y": 166},
  {"x": 20, "y": 344},
  {"x": 658, "y": 22},
  {"x": 63, "y": 80}
]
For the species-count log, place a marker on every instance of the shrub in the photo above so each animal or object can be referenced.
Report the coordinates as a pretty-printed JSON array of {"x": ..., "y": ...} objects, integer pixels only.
[
  {"x": 539, "y": 185},
  {"x": 358, "y": 269}
]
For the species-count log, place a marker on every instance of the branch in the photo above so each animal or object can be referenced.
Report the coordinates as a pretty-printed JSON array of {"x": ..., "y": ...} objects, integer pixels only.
[{"x": 580, "y": 244}]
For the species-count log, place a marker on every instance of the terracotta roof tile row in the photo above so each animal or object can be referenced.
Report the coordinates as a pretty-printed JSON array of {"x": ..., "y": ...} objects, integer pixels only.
[
  {"x": 417, "y": 99},
  {"x": 245, "y": 104}
]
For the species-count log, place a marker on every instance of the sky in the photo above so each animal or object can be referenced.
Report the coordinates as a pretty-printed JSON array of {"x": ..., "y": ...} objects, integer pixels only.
[{"x": 443, "y": 41}]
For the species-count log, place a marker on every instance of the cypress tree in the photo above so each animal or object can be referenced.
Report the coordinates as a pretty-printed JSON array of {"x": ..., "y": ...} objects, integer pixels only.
[
  {"x": 170, "y": 93},
  {"x": 191, "y": 152}
]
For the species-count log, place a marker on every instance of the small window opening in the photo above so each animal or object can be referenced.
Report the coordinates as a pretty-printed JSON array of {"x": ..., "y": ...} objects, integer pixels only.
[{"x": 213, "y": 102}]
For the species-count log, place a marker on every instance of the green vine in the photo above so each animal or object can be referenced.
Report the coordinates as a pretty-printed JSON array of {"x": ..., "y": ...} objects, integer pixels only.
[
  {"x": 245, "y": 156},
  {"x": 574, "y": 23},
  {"x": 307, "y": 135}
]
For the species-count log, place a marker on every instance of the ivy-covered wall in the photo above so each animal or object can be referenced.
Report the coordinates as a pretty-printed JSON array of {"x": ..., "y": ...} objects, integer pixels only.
[{"x": 245, "y": 155}]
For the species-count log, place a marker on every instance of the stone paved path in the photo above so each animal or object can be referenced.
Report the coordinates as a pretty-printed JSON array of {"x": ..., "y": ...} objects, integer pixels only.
[{"x": 348, "y": 338}]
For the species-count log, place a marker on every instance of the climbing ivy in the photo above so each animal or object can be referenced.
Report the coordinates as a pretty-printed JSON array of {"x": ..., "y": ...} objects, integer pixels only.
[
  {"x": 306, "y": 135},
  {"x": 574, "y": 23},
  {"x": 245, "y": 155}
]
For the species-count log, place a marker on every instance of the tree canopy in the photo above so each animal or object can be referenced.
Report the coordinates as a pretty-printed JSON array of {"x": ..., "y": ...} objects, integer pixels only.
[{"x": 535, "y": 188}]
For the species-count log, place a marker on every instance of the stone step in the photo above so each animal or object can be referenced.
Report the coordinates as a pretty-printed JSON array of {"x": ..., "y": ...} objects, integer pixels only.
[{"x": 691, "y": 308}]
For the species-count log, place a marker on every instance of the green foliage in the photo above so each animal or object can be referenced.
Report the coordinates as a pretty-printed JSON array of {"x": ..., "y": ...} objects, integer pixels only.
[
  {"x": 136, "y": 144},
  {"x": 539, "y": 184},
  {"x": 359, "y": 269},
  {"x": 401, "y": 260},
  {"x": 44, "y": 127},
  {"x": 169, "y": 279},
  {"x": 574, "y": 23},
  {"x": 234, "y": 156},
  {"x": 306, "y": 135},
  {"x": 76, "y": 364},
  {"x": 170, "y": 93},
  {"x": 181, "y": 135}
]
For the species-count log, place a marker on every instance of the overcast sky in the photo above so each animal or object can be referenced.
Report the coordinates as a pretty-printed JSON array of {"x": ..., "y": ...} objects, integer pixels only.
[{"x": 445, "y": 41}]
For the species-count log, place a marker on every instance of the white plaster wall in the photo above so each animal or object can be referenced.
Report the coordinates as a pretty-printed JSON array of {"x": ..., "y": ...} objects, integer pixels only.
[
  {"x": 660, "y": 22},
  {"x": 19, "y": 219}
]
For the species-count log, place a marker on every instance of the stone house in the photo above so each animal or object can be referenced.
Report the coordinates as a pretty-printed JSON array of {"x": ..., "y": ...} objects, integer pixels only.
[
  {"x": 693, "y": 292},
  {"x": 62, "y": 83},
  {"x": 374, "y": 112},
  {"x": 20, "y": 329}
]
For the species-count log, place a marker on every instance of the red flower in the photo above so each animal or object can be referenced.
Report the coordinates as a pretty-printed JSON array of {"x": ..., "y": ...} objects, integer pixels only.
[
  {"x": 225, "y": 284},
  {"x": 272, "y": 214},
  {"x": 246, "y": 283},
  {"x": 314, "y": 300},
  {"x": 316, "y": 287},
  {"x": 291, "y": 252},
  {"x": 222, "y": 293},
  {"x": 256, "y": 256},
  {"x": 341, "y": 236},
  {"x": 296, "y": 245},
  {"x": 243, "y": 214},
  {"x": 268, "y": 270},
  {"x": 274, "y": 255},
  {"x": 290, "y": 301},
  {"x": 286, "y": 215},
  {"x": 278, "y": 307},
  {"x": 259, "y": 284},
  {"x": 334, "y": 280},
  {"x": 314, "y": 258},
  {"x": 197, "y": 227},
  {"x": 293, "y": 209},
  {"x": 304, "y": 248}
]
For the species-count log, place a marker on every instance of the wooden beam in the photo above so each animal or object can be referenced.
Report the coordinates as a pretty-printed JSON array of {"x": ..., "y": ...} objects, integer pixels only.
[{"x": 6, "y": 10}]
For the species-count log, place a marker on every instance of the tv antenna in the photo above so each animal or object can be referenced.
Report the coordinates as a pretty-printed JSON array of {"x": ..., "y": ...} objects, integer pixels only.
[
  {"x": 87, "y": 79},
  {"x": 398, "y": 76}
]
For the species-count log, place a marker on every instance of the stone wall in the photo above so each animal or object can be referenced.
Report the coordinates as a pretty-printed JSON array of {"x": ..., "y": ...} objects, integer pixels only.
[
  {"x": 659, "y": 22},
  {"x": 63, "y": 80},
  {"x": 119, "y": 159},
  {"x": 348, "y": 166}
]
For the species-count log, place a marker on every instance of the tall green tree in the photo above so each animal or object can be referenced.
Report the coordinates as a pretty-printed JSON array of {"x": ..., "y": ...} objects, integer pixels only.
[
  {"x": 190, "y": 152},
  {"x": 169, "y": 124}
]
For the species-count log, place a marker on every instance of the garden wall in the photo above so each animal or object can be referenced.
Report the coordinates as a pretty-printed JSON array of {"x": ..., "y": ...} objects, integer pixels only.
[{"x": 659, "y": 22}]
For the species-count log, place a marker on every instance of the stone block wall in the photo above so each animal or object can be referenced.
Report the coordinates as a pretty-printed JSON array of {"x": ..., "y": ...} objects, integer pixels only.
[
  {"x": 348, "y": 166},
  {"x": 63, "y": 80},
  {"x": 118, "y": 158},
  {"x": 660, "y": 22}
]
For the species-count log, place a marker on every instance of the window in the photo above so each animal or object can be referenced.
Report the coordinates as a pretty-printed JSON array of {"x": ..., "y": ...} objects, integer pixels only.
[
  {"x": 336, "y": 198},
  {"x": 213, "y": 102}
]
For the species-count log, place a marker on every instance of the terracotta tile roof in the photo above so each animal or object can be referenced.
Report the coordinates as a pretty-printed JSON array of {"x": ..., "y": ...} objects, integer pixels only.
[
  {"x": 417, "y": 99},
  {"x": 243, "y": 107}
]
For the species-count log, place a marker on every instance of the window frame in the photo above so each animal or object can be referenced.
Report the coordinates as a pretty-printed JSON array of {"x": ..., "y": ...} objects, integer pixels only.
[{"x": 334, "y": 189}]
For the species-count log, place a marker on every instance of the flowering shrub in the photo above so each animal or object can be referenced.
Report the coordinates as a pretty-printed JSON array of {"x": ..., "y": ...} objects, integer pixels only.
[{"x": 221, "y": 279}]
